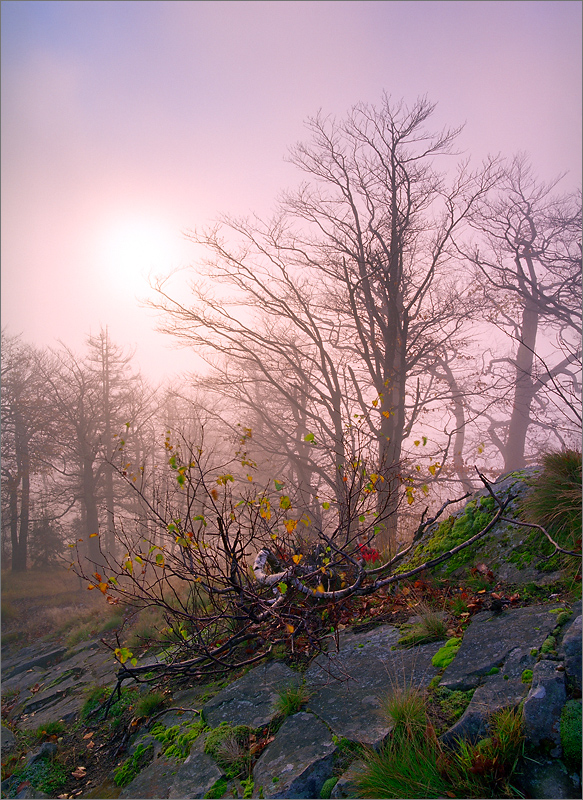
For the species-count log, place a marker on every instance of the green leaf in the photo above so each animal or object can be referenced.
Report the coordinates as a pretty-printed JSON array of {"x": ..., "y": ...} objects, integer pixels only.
[
  {"x": 309, "y": 437},
  {"x": 325, "y": 506},
  {"x": 282, "y": 587},
  {"x": 278, "y": 485},
  {"x": 285, "y": 502}
]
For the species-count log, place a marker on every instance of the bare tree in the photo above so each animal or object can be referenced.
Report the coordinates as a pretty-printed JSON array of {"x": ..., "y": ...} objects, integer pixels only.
[
  {"x": 529, "y": 259},
  {"x": 342, "y": 301},
  {"x": 26, "y": 428}
]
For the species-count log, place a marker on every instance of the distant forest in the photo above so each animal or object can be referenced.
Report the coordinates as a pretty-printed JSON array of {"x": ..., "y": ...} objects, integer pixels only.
[{"x": 396, "y": 322}]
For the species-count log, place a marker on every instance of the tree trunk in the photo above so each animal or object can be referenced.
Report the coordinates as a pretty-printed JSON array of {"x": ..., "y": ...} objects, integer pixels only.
[{"x": 524, "y": 391}]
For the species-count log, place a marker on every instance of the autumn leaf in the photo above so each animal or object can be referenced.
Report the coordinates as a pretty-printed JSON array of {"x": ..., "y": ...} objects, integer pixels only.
[
  {"x": 290, "y": 628},
  {"x": 290, "y": 525},
  {"x": 89, "y": 735},
  {"x": 285, "y": 502},
  {"x": 320, "y": 589},
  {"x": 103, "y": 588},
  {"x": 159, "y": 560},
  {"x": 325, "y": 506},
  {"x": 298, "y": 558},
  {"x": 282, "y": 587},
  {"x": 92, "y": 535},
  {"x": 278, "y": 485},
  {"x": 91, "y": 586},
  {"x": 79, "y": 772}
]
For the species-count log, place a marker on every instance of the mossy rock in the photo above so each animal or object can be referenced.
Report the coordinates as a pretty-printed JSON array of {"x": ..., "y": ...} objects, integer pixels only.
[
  {"x": 515, "y": 554},
  {"x": 571, "y": 732}
]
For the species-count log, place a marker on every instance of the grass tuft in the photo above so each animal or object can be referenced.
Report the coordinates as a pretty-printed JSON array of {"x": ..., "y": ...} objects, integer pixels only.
[
  {"x": 413, "y": 763},
  {"x": 291, "y": 700},
  {"x": 555, "y": 503}
]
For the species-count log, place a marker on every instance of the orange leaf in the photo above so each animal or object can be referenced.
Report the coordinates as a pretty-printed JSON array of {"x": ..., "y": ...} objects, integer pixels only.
[
  {"x": 79, "y": 772},
  {"x": 290, "y": 628},
  {"x": 91, "y": 586},
  {"x": 91, "y": 535},
  {"x": 97, "y": 575}
]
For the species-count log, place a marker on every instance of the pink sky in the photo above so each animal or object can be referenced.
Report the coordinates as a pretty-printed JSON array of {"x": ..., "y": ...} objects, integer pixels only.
[{"x": 125, "y": 123}]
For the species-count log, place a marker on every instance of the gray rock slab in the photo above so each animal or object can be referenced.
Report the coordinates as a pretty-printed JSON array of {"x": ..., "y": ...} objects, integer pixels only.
[
  {"x": 490, "y": 638},
  {"x": 503, "y": 690},
  {"x": 301, "y": 756},
  {"x": 24, "y": 680},
  {"x": 250, "y": 700},
  {"x": 543, "y": 705},
  {"x": 64, "y": 708},
  {"x": 570, "y": 651},
  {"x": 196, "y": 775},
  {"x": 33, "y": 658},
  {"x": 7, "y": 739},
  {"x": 154, "y": 781},
  {"x": 52, "y": 694},
  {"x": 547, "y": 779},
  {"x": 345, "y": 786},
  {"x": 347, "y": 686}
]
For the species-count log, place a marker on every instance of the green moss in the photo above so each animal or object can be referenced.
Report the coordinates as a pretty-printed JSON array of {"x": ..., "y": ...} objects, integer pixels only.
[
  {"x": 493, "y": 671},
  {"x": 326, "y": 790},
  {"x": 178, "y": 740},
  {"x": 45, "y": 775},
  {"x": 134, "y": 764},
  {"x": 549, "y": 645},
  {"x": 564, "y": 617},
  {"x": 235, "y": 764},
  {"x": 218, "y": 789},
  {"x": 453, "y": 703},
  {"x": 534, "y": 652},
  {"x": 571, "y": 732},
  {"x": 452, "y": 532},
  {"x": 526, "y": 676},
  {"x": 446, "y": 654}
]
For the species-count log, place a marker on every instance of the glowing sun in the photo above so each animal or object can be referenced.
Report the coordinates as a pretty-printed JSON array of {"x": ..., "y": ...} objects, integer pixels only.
[{"x": 133, "y": 248}]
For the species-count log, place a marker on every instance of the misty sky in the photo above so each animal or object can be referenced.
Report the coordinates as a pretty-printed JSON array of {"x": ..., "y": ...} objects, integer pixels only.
[{"x": 126, "y": 123}]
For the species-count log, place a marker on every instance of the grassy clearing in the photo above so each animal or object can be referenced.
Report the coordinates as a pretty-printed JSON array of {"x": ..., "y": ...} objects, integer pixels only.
[{"x": 46, "y": 604}]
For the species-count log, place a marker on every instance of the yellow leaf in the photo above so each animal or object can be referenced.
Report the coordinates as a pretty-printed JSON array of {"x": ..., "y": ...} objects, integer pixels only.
[
  {"x": 386, "y": 414},
  {"x": 91, "y": 586},
  {"x": 417, "y": 442},
  {"x": 91, "y": 535},
  {"x": 321, "y": 589},
  {"x": 290, "y": 628},
  {"x": 103, "y": 587},
  {"x": 297, "y": 559},
  {"x": 410, "y": 499},
  {"x": 250, "y": 478},
  {"x": 290, "y": 525},
  {"x": 375, "y": 403}
]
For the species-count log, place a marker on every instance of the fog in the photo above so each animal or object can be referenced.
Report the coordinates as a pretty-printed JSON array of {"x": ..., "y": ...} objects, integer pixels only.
[{"x": 124, "y": 125}]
